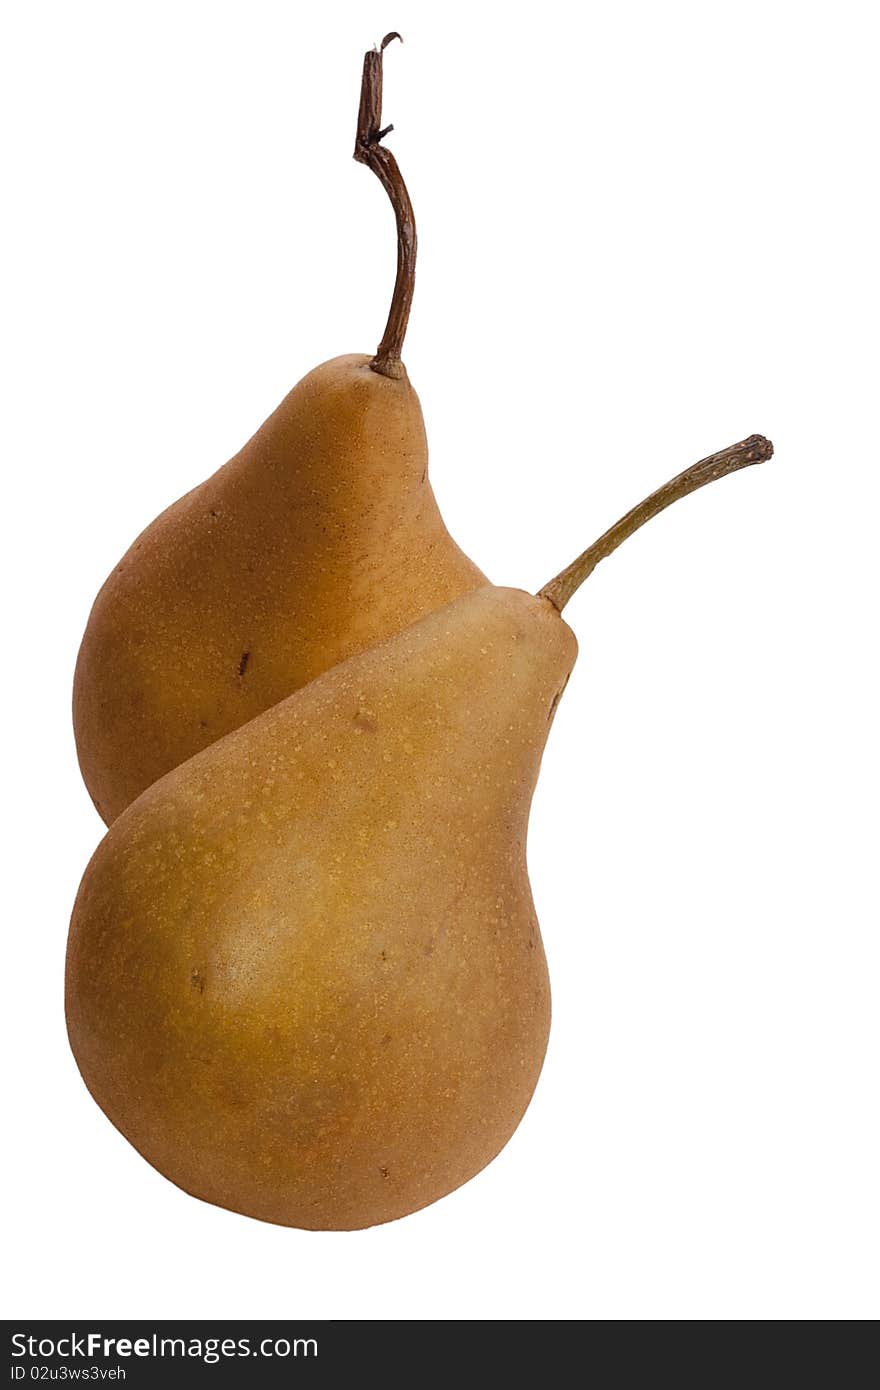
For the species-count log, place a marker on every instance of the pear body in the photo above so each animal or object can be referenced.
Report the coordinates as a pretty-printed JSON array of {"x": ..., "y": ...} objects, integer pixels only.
[
  {"x": 305, "y": 976},
  {"x": 320, "y": 538}
]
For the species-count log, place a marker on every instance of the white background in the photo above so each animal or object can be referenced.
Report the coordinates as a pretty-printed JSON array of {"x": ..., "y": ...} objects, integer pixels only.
[{"x": 646, "y": 231}]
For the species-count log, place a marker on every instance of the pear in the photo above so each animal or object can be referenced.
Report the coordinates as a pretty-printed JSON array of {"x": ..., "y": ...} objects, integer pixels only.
[
  {"x": 319, "y": 538},
  {"x": 305, "y": 977}
]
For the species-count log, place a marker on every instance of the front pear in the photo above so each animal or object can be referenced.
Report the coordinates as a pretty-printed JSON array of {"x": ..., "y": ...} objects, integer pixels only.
[{"x": 305, "y": 977}]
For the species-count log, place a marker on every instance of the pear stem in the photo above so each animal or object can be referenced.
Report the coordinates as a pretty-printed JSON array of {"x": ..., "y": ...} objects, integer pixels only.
[
  {"x": 369, "y": 150},
  {"x": 755, "y": 449}
]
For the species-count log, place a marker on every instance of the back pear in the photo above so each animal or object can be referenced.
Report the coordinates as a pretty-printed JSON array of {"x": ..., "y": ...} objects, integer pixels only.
[{"x": 321, "y": 537}]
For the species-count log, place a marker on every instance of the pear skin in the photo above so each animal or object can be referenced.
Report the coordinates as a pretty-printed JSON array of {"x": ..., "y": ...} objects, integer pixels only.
[
  {"x": 305, "y": 977},
  {"x": 319, "y": 539}
]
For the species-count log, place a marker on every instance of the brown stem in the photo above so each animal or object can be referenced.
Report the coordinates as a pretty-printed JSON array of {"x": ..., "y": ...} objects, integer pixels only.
[
  {"x": 369, "y": 150},
  {"x": 755, "y": 449}
]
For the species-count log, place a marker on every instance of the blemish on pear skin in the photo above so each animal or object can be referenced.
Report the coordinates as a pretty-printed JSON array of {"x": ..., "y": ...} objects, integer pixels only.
[
  {"x": 242, "y": 665},
  {"x": 366, "y": 722},
  {"x": 198, "y": 981},
  {"x": 384, "y": 1171},
  {"x": 555, "y": 701}
]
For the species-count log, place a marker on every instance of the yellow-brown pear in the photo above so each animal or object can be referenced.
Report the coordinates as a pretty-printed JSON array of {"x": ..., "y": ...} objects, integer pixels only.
[
  {"x": 305, "y": 977},
  {"x": 319, "y": 538}
]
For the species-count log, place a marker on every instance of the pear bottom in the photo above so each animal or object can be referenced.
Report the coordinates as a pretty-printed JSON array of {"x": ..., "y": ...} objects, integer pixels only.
[{"x": 354, "y": 1123}]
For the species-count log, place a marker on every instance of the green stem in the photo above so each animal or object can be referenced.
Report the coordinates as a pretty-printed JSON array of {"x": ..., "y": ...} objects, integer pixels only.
[{"x": 755, "y": 449}]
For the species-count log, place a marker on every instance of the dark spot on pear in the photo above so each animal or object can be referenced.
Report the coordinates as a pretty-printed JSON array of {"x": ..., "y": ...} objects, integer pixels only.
[
  {"x": 242, "y": 665},
  {"x": 555, "y": 701}
]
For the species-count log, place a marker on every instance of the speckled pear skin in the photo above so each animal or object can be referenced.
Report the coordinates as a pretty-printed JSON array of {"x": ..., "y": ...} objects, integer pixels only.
[
  {"x": 320, "y": 538},
  {"x": 305, "y": 977}
]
